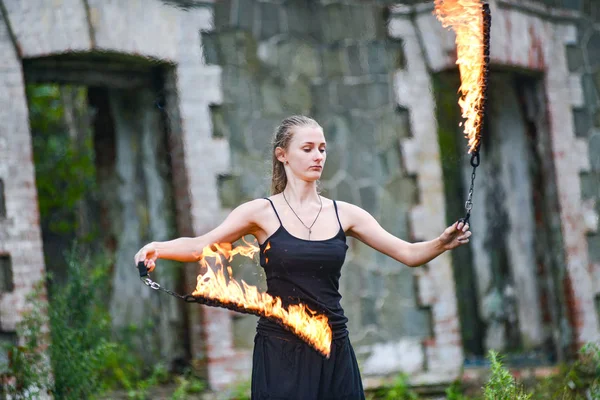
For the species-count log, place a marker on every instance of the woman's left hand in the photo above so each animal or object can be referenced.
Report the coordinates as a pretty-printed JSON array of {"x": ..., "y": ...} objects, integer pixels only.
[{"x": 455, "y": 235}]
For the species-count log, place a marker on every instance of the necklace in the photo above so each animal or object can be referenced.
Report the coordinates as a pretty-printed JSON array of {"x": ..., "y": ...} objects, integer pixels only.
[{"x": 311, "y": 225}]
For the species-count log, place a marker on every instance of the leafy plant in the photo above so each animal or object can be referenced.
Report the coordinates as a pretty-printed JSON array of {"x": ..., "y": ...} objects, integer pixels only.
[
  {"x": 27, "y": 373},
  {"x": 501, "y": 384},
  {"x": 399, "y": 390},
  {"x": 85, "y": 359},
  {"x": 454, "y": 392},
  {"x": 188, "y": 384}
]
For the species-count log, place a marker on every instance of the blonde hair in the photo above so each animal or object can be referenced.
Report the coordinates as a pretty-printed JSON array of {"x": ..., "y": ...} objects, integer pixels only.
[{"x": 282, "y": 138}]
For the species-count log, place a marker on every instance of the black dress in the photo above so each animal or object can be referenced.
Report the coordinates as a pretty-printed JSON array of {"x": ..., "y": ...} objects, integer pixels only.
[{"x": 283, "y": 366}]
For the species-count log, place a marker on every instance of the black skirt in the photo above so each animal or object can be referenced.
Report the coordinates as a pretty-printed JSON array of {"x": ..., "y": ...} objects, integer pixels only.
[{"x": 284, "y": 367}]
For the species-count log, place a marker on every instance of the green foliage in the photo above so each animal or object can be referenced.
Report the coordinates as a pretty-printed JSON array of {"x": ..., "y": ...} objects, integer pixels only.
[
  {"x": 501, "y": 384},
  {"x": 399, "y": 390},
  {"x": 27, "y": 374},
  {"x": 241, "y": 391},
  {"x": 187, "y": 385},
  {"x": 64, "y": 166},
  {"x": 454, "y": 392},
  {"x": 81, "y": 345},
  {"x": 86, "y": 361},
  {"x": 577, "y": 381}
]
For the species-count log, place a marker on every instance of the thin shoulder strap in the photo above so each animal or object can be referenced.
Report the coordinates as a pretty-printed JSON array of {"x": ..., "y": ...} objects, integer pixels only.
[
  {"x": 337, "y": 215},
  {"x": 274, "y": 209}
]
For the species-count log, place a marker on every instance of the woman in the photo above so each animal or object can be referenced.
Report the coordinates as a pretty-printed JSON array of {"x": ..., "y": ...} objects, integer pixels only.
[{"x": 302, "y": 238}]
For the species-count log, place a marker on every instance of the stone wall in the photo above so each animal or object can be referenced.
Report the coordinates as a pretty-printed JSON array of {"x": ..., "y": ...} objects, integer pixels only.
[
  {"x": 334, "y": 62},
  {"x": 584, "y": 60}
]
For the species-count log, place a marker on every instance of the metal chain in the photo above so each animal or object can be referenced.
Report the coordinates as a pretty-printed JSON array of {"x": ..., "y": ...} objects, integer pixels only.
[
  {"x": 469, "y": 203},
  {"x": 154, "y": 285}
]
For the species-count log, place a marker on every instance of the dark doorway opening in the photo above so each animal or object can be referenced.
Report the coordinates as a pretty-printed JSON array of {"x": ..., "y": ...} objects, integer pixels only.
[
  {"x": 509, "y": 279},
  {"x": 102, "y": 153}
]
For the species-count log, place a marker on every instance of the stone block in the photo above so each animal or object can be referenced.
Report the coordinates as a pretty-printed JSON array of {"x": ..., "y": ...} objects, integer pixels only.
[
  {"x": 369, "y": 198},
  {"x": 347, "y": 191},
  {"x": 354, "y": 64},
  {"x": 332, "y": 21},
  {"x": 303, "y": 60},
  {"x": 353, "y": 95},
  {"x": 116, "y": 27},
  {"x": 410, "y": 155},
  {"x": 210, "y": 49},
  {"x": 237, "y": 48},
  {"x": 582, "y": 122},
  {"x": 580, "y": 152},
  {"x": 403, "y": 318},
  {"x": 426, "y": 290},
  {"x": 297, "y": 96},
  {"x": 590, "y": 216},
  {"x": 377, "y": 57},
  {"x": 221, "y": 156},
  {"x": 222, "y": 14},
  {"x": 391, "y": 161},
  {"x": 242, "y": 14},
  {"x": 576, "y": 91},
  {"x": 203, "y": 83},
  {"x": 258, "y": 133},
  {"x": 361, "y": 23},
  {"x": 591, "y": 98},
  {"x": 386, "y": 358},
  {"x": 41, "y": 30},
  {"x": 417, "y": 215},
  {"x": 300, "y": 19},
  {"x": 333, "y": 61},
  {"x": 240, "y": 88},
  {"x": 569, "y": 33},
  {"x": 592, "y": 48},
  {"x": 594, "y": 150},
  {"x": 270, "y": 20},
  {"x": 575, "y": 59},
  {"x": 594, "y": 248}
]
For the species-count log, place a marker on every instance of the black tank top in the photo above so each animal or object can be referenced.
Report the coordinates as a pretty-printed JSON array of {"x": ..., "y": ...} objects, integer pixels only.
[{"x": 307, "y": 272}]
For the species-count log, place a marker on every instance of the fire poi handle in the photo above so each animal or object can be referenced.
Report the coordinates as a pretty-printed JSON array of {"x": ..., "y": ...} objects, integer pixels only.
[
  {"x": 469, "y": 203},
  {"x": 142, "y": 269}
]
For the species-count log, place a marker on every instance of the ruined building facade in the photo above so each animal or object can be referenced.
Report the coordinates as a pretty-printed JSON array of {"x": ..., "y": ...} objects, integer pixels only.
[{"x": 381, "y": 79}]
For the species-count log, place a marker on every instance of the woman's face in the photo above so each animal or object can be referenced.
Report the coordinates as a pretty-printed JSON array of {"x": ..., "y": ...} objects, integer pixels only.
[{"x": 305, "y": 154}]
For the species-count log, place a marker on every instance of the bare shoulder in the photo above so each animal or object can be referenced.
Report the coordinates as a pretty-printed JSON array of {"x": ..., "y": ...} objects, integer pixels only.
[
  {"x": 349, "y": 213},
  {"x": 255, "y": 207},
  {"x": 348, "y": 208}
]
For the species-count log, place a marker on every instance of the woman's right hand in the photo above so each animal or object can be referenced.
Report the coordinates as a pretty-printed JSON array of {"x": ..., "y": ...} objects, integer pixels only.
[{"x": 148, "y": 254}]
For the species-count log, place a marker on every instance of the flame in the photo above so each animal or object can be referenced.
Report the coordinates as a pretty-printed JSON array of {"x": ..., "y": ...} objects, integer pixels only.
[
  {"x": 466, "y": 18},
  {"x": 213, "y": 285}
]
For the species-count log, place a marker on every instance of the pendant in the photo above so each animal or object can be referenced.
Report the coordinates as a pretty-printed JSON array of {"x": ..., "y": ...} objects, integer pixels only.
[{"x": 309, "y": 232}]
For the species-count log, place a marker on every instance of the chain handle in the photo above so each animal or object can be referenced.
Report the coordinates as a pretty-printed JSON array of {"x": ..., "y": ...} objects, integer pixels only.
[
  {"x": 145, "y": 277},
  {"x": 469, "y": 203}
]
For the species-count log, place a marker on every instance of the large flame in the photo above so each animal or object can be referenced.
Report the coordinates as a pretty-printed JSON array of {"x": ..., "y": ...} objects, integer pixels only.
[
  {"x": 225, "y": 291},
  {"x": 466, "y": 18}
]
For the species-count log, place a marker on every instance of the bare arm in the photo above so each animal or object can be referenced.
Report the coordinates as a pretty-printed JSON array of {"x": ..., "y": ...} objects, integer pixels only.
[
  {"x": 241, "y": 221},
  {"x": 365, "y": 228}
]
